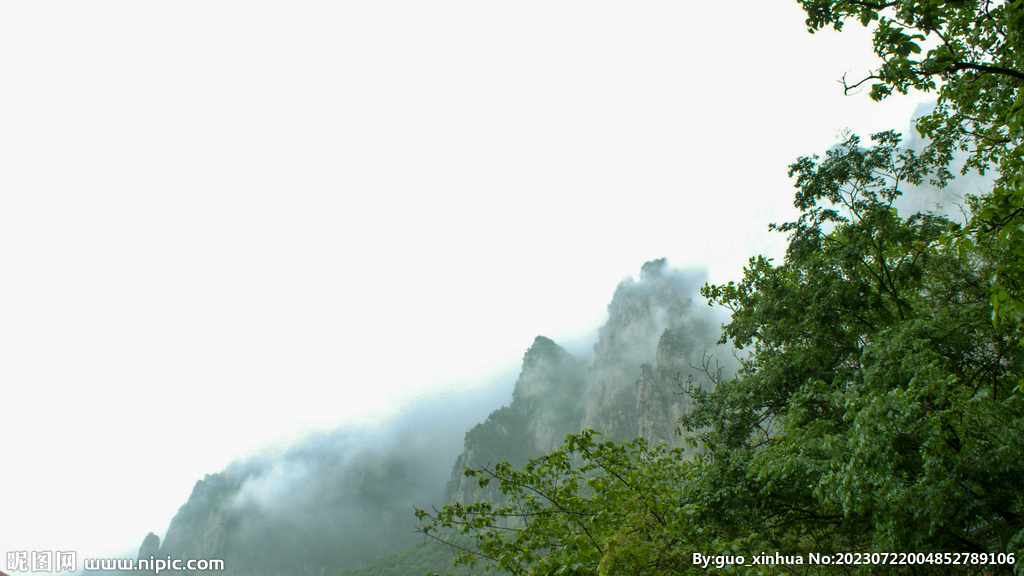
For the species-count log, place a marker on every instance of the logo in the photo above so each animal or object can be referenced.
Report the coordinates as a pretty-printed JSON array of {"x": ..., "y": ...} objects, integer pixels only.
[{"x": 35, "y": 561}]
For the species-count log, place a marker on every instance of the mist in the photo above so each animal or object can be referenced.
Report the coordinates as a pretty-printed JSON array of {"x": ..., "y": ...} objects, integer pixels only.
[
  {"x": 334, "y": 499},
  {"x": 948, "y": 201}
]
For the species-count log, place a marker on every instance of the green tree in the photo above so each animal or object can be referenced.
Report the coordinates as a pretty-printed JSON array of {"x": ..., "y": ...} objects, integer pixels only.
[
  {"x": 971, "y": 53},
  {"x": 876, "y": 411},
  {"x": 589, "y": 508}
]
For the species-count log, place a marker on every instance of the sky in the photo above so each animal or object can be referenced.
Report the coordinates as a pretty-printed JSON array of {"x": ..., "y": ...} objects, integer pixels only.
[{"x": 226, "y": 226}]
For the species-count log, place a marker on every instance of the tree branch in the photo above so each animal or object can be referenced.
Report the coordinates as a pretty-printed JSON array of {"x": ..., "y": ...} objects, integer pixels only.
[{"x": 987, "y": 69}]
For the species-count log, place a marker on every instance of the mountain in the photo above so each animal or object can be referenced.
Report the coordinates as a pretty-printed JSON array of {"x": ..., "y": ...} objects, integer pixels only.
[
  {"x": 345, "y": 500},
  {"x": 655, "y": 337},
  {"x": 313, "y": 510}
]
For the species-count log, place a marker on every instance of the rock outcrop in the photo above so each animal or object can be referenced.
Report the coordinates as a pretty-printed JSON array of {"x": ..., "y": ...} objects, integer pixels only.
[
  {"x": 545, "y": 407},
  {"x": 654, "y": 340},
  {"x": 651, "y": 321},
  {"x": 150, "y": 547}
]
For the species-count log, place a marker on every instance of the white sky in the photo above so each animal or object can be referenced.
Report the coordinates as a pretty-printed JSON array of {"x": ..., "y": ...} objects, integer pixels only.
[{"x": 226, "y": 224}]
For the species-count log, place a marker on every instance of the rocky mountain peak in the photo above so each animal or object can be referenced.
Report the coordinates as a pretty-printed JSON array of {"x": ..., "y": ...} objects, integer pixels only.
[
  {"x": 652, "y": 269},
  {"x": 548, "y": 369},
  {"x": 150, "y": 546}
]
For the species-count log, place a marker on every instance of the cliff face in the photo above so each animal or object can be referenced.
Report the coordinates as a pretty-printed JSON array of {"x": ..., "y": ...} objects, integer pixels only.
[
  {"x": 200, "y": 529},
  {"x": 661, "y": 399},
  {"x": 545, "y": 407},
  {"x": 655, "y": 337},
  {"x": 639, "y": 315}
]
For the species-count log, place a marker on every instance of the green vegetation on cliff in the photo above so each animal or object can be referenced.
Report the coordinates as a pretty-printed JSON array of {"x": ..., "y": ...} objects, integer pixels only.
[
  {"x": 503, "y": 433},
  {"x": 547, "y": 395}
]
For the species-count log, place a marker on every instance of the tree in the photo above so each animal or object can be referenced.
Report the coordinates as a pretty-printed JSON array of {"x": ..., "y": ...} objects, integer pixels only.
[
  {"x": 590, "y": 507},
  {"x": 876, "y": 411},
  {"x": 975, "y": 63}
]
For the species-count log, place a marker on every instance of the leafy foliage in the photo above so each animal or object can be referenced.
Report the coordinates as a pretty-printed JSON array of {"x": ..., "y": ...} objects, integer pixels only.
[
  {"x": 590, "y": 507},
  {"x": 877, "y": 411},
  {"x": 975, "y": 63}
]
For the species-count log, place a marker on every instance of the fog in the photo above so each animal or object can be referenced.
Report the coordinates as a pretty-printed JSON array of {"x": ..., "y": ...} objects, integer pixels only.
[
  {"x": 948, "y": 201},
  {"x": 333, "y": 499}
]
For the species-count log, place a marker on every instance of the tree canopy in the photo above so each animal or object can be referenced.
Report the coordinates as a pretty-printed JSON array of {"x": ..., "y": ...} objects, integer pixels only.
[{"x": 971, "y": 54}]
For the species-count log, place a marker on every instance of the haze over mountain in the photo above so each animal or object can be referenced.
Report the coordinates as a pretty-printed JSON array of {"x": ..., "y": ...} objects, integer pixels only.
[{"x": 344, "y": 499}]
